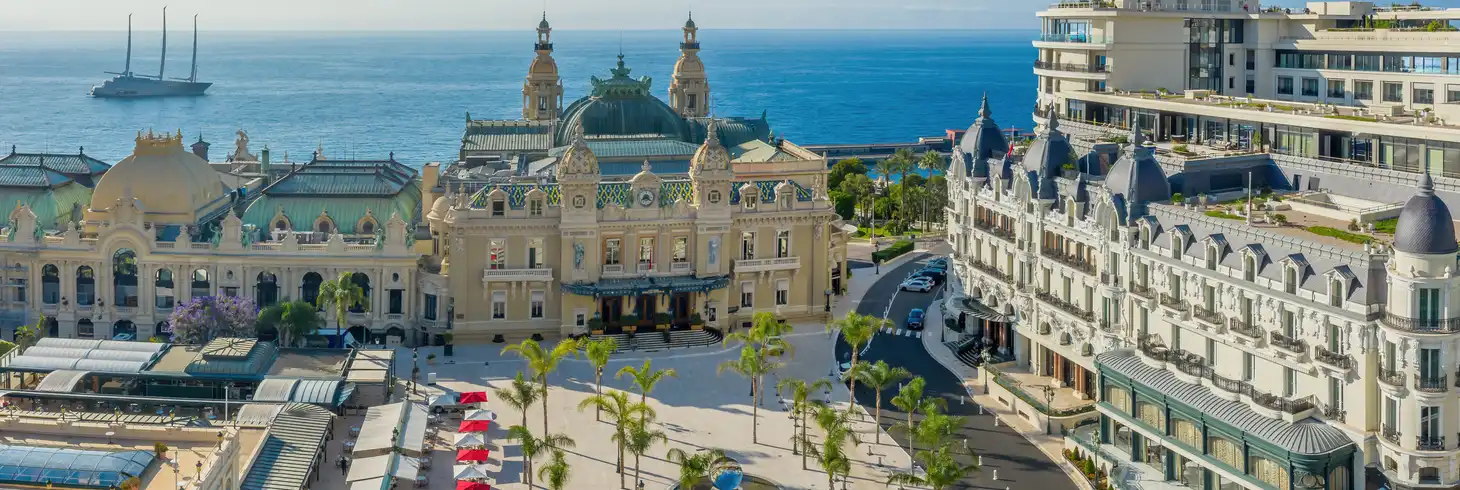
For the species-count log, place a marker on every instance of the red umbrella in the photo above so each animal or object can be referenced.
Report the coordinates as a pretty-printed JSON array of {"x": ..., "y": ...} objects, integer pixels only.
[
  {"x": 479, "y": 455},
  {"x": 472, "y": 485},
  {"x": 473, "y": 426},
  {"x": 473, "y": 397}
]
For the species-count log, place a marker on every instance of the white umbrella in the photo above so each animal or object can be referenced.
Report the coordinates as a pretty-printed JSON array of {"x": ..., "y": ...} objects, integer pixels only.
[
  {"x": 479, "y": 415},
  {"x": 470, "y": 439},
  {"x": 470, "y": 471}
]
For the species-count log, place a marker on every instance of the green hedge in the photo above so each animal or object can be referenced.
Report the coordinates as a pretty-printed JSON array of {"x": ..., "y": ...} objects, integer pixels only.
[{"x": 892, "y": 251}]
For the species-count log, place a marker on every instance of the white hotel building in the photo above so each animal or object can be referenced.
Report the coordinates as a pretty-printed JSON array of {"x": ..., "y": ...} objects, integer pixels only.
[{"x": 1303, "y": 341}]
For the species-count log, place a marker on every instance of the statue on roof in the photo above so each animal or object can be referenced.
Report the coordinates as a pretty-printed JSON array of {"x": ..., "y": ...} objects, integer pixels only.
[{"x": 240, "y": 149}]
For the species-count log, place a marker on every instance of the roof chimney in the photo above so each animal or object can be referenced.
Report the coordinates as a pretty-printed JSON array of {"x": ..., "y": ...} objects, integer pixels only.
[{"x": 201, "y": 149}]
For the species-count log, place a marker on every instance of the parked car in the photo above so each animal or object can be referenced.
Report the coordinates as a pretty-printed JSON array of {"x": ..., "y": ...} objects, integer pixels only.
[
  {"x": 940, "y": 263},
  {"x": 919, "y": 284},
  {"x": 935, "y": 275},
  {"x": 915, "y": 319}
]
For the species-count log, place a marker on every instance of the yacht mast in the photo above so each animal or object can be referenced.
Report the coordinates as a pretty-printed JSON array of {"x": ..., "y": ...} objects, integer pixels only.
[
  {"x": 128, "y": 70},
  {"x": 193, "y": 77},
  {"x": 163, "y": 66}
]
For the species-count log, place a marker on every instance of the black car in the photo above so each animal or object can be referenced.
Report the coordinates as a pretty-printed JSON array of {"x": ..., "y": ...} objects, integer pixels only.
[{"x": 937, "y": 275}]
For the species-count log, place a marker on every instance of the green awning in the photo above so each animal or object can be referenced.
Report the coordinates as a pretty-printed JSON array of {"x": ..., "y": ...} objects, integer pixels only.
[{"x": 647, "y": 285}]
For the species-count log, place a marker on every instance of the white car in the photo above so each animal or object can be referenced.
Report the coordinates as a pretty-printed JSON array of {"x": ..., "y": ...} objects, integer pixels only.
[{"x": 919, "y": 284}]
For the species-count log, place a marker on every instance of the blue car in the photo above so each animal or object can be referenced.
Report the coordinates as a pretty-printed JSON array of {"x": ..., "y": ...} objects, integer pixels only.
[{"x": 915, "y": 319}]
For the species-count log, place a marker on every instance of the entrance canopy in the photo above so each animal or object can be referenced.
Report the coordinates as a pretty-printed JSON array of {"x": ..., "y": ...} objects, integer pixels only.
[
  {"x": 974, "y": 308},
  {"x": 648, "y": 285},
  {"x": 61, "y": 381}
]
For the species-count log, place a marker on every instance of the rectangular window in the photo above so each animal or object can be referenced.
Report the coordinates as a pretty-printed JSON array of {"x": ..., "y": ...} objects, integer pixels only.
[
  {"x": 783, "y": 292},
  {"x": 747, "y": 245},
  {"x": 499, "y": 304},
  {"x": 1290, "y": 382},
  {"x": 497, "y": 253},
  {"x": 1340, "y": 62},
  {"x": 646, "y": 250},
  {"x": 1290, "y": 324},
  {"x": 747, "y": 295},
  {"x": 1429, "y": 364},
  {"x": 1452, "y": 93},
  {"x": 612, "y": 251},
  {"x": 535, "y": 253},
  {"x": 1251, "y": 60},
  {"x": 397, "y": 301},
  {"x": 1429, "y": 423},
  {"x": 580, "y": 318},
  {"x": 1424, "y": 95},
  {"x": 1285, "y": 85},
  {"x": 535, "y": 207},
  {"x": 783, "y": 244},
  {"x": 1429, "y": 304},
  {"x": 1393, "y": 92},
  {"x": 1249, "y": 366},
  {"x": 1333, "y": 337},
  {"x": 1363, "y": 90},
  {"x": 499, "y": 208},
  {"x": 1367, "y": 62},
  {"x": 1251, "y": 86},
  {"x": 1335, "y": 393},
  {"x": 681, "y": 249},
  {"x": 538, "y": 300},
  {"x": 1389, "y": 355},
  {"x": 1211, "y": 352},
  {"x": 429, "y": 312},
  {"x": 18, "y": 286},
  {"x": 1391, "y": 413},
  {"x": 1335, "y": 89},
  {"x": 85, "y": 329},
  {"x": 1310, "y": 87}
]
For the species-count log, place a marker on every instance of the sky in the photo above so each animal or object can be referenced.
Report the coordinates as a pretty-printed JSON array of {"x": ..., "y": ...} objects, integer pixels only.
[{"x": 418, "y": 15}]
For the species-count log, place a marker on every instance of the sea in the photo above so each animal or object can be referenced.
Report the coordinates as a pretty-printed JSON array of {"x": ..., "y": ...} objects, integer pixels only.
[{"x": 368, "y": 95}]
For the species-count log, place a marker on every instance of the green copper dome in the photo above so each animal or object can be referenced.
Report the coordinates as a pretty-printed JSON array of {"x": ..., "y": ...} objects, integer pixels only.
[{"x": 622, "y": 106}]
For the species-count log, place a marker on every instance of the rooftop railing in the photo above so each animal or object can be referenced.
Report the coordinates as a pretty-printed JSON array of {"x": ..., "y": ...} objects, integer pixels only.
[
  {"x": 1071, "y": 67},
  {"x": 1081, "y": 38}
]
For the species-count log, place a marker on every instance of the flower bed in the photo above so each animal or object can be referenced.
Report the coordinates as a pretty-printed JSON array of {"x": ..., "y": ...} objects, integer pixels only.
[{"x": 1087, "y": 467}]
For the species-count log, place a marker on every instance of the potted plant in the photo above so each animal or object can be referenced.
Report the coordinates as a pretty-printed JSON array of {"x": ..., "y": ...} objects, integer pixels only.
[
  {"x": 431, "y": 359},
  {"x": 629, "y": 321},
  {"x": 596, "y": 326},
  {"x": 696, "y": 322},
  {"x": 662, "y": 321},
  {"x": 159, "y": 449},
  {"x": 448, "y": 348}
]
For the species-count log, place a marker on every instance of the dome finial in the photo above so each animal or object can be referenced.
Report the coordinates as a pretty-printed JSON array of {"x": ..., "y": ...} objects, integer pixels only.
[
  {"x": 983, "y": 110},
  {"x": 1426, "y": 184},
  {"x": 1137, "y": 136},
  {"x": 646, "y": 167},
  {"x": 1054, "y": 121},
  {"x": 712, "y": 136}
]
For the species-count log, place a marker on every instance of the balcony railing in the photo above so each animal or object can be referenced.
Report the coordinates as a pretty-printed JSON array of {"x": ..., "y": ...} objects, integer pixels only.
[
  {"x": 490, "y": 275},
  {"x": 1065, "y": 306},
  {"x": 992, "y": 229},
  {"x": 681, "y": 267},
  {"x": 763, "y": 265},
  {"x": 1342, "y": 361},
  {"x": 1074, "y": 262},
  {"x": 1173, "y": 302},
  {"x": 1391, "y": 377},
  {"x": 1287, "y": 343},
  {"x": 1446, "y": 325},
  {"x": 1431, "y": 443},
  {"x": 1432, "y": 384},
  {"x": 1390, "y": 433},
  {"x": 613, "y": 269},
  {"x": 1285, "y": 405},
  {"x": 1244, "y": 328},
  {"x": 992, "y": 270},
  {"x": 1335, "y": 413},
  {"x": 1074, "y": 38},
  {"x": 1106, "y": 325},
  {"x": 645, "y": 267},
  {"x": 1141, "y": 290},
  {"x": 1071, "y": 67},
  {"x": 1209, "y": 316}
]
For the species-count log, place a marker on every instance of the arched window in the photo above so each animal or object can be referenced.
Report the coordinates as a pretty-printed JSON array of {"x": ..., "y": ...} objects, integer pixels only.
[
  {"x": 1249, "y": 268},
  {"x": 1268, "y": 471},
  {"x": 163, "y": 287},
  {"x": 85, "y": 286},
  {"x": 367, "y": 227},
  {"x": 1186, "y": 432},
  {"x": 124, "y": 278},
  {"x": 1226, "y": 451},
  {"x": 85, "y": 329},
  {"x": 362, "y": 280},
  {"x": 50, "y": 284},
  {"x": 266, "y": 291},
  {"x": 1176, "y": 247},
  {"x": 1336, "y": 292},
  {"x": 1212, "y": 257},
  {"x": 309, "y": 287},
  {"x": 1290, "y": 280},
  {"x": 323, "y": 226},
  {"x": 201, "y": 285},
  {"x": 281, "y": 224}
]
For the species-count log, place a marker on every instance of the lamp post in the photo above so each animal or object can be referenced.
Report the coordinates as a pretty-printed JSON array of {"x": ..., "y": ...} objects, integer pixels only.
[
  {"x": 828, "y": 299},
  {"x": 1048, "y": 405},
  {"x": 876, "y": 247}
]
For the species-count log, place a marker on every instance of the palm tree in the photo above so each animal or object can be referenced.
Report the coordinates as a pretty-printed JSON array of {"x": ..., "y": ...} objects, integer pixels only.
[
  {"x": 860, "y": 188},
  {"x": 520, "y": 395},
  {"x": 532, "y": 446},
  {"x": 621, "y": 412},
  {"x": 293, "y": 320},
  {"x": 941, "y": 470},
  {"x": 753, "y": 367},
  {"x": 698, "y": 467},
  {"x": 879, "y": 376},
  {"x": 886, "y": 167},
  {"x": 28, "y": 335},
  {"x": 801, "y": 406},
  {"x": 857, "y": 330},
  {"x": 542, "y": 362},
  {"x": 641, "y": 438},
  {"x": 936, "y": 428},
  {"x": 903, "y": 162},
  {"x": 933, "y": 163},
  {"x": 646, "y": 377},
  {"x": 910, "y": 400},
  {"x": 341, "y": 294},
  {"x": 556, "y": 472},
  {"x": 767, "y": 335},
  {"x": 598, "y": 351},
  {"x": 832, "y": 454}
]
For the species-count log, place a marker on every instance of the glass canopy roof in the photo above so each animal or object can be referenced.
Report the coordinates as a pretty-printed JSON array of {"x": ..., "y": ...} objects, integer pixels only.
[{"x": 70, "y": 467}]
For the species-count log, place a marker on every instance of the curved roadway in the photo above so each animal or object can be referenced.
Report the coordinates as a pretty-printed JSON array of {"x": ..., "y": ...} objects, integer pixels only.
[{"x": 1018, "y": 463}]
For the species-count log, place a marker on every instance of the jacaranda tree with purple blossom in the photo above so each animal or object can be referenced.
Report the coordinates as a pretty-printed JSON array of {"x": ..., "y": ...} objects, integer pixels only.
[{"x": 200, "y": 320}]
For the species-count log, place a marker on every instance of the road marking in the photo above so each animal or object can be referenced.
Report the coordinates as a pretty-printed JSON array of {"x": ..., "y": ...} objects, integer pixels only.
[
  {"x": 916, "y": 335},
  {"x": 899, "y": 332}
]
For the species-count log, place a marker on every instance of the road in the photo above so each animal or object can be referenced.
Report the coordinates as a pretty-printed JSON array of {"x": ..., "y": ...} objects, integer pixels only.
[{"x": 1019, "y": 464}]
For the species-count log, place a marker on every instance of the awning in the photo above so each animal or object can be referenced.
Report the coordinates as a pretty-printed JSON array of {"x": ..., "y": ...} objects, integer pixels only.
[
  {"x": 275, "y": 389},
  {"x": 470, "y": 471},
  {"x": 472, "y": 485},
  {"x": 470, "y": 439},
  {"x": 648, "y": 285},
  {"x": 479, "y": 455},
  {"x": 61, "y": 381},
  {"x": 473, "y": 426},
  {"x": 389, "y": 465},
  {"x": 472, "y": 397},
  {"x": 976, "y": 309},
  {"x": 480, "y": 416}
]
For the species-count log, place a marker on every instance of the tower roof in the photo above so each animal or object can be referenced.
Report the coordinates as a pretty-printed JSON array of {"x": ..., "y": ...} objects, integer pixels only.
[
  {"x": 1137, "y": 175},
  {"x": 1050, "y": 151},
  {"x": 1425, "y": 225},
  {"x": 623, "y": 106},
  {"x": 544, "y": 24},
  {"x": 984, "y": 138}
]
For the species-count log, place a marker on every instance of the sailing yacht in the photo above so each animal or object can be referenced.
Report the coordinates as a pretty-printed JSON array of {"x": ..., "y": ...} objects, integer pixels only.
[{"x": 127, "y": 84}]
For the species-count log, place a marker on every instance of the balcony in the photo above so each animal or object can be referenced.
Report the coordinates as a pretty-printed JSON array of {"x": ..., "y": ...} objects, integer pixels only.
[
  {"x": 1341, "y": 361},
  {"x": 1424, "y": 325},
  {"x": 1287, "y": 343},
  {"x": 1335, "y": 414},
  {"x": 1073, "y": 262},
  {"x": 1284, "y": 405},
  {"x": 1431, "y": 443},
  {"x": 1070, "y": 67},
  {"x": 1174, "y": 303},
  {"x": 1245, "y": 329},
  {"x": 991, "y": 270},
  {"x": 681, "y": 267},
  {"x": 1141, "y": 290},
  {"x": 1208, "y": 316},
  {"x": 1390, "y": 433},
  {"x": 1063, "y": 305},
  {"x": 613, "y": 269},
  {"x": 1078, "y": 38},
  {"x": 1106, "y": 325},
  {"x": 766, "y": 265},
  {"x": 999, "y": 232},
  {"x": 512, "y": 275},
  {"x": 1391, "y": 377},
  {"x": 1431, "y": 384},
  {"x": 644, "y": 268}
]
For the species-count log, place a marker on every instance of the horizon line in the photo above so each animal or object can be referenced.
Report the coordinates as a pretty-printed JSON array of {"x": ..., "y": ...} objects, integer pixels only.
[{"x": 555, "y": 30}]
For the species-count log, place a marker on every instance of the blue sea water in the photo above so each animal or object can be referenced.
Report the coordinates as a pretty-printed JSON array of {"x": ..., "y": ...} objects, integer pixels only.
[{"x": 365, "y": 95}]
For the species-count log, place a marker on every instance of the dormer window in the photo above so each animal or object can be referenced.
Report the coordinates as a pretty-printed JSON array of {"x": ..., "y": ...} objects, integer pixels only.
[
  {"x": 367, "y": 227},
  {"x": 1212, "y": 257},
  {"x": 1145, "y": 238},
  {"x": 1290, "y": 279},
  {"x": 324, "y": 226},
  {"x": 499, "y": 208},
  {"x": 1176, "y": 247},
  {"x": 534, "y": 208},
  {"x": 281, "y": 224},
  {"x": 1335, "y": 292},
  {"x": 1249, "y": 268}
]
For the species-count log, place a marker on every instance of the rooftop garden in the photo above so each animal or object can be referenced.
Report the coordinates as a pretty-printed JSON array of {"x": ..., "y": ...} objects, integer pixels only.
[{"x": 1270, "y": 212}]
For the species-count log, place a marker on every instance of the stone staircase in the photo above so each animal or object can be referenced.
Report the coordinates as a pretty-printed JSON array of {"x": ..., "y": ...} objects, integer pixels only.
[
  {"x": 654, "y": 341},
  {"x": 966, "y": 349}
]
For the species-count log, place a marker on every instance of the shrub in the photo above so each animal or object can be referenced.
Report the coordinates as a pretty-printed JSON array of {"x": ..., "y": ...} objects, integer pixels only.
[
  {"x": 1089, "y": 468},
  {"x": 448, "y": 337},
  {"x": 1280, "y": 218},
  {"x": 892, "y": 251},
  {"x": 1182, "y": 149},
  {"x": 1223, "y": 215},
  {"x": 1353, "y": 224},
  {"x": 1177, "y": 198},
  {"x": 159, "y": 449},
  {"x": 1386, "y": 226},
  {"x": 1339, "y": 234}
]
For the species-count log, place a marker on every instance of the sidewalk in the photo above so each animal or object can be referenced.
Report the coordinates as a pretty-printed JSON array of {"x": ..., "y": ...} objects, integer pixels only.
[{"x": 1052, "y": 445}]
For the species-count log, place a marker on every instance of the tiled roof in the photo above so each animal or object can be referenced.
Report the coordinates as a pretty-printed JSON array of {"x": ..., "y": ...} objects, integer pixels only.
[
  {"x": 767, "y": 190},
  {"x": 650, "y": 146},
  {"x": 345, "y": 190},
  {"x": 18, "y": 176},
  {"x": 1304, "y": 437},
  {"x": 507, "y": 136},
  {"x": 345, "y": 177},
  {"x": 288, "y": 452},
  {"x": 77, "y": 165}
]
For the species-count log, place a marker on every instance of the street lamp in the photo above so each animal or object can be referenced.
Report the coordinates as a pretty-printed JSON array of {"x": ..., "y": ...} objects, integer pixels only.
[
  {"x": 876, "y": 247},
  {"x": 1048, "y": 405},
  {"x": 828, "y": 299}
]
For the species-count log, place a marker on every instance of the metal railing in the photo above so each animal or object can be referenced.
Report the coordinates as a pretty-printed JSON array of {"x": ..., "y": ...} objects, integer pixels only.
[
  {"x": 1173, "y": 302},
  {"x": 1390, "y": 433},
  {"x": 1432, "y": 384},
  {"x": 1071, "y": 67},
  {"x": 1285, "y": 405},
  {"x": 1141, "y": 290},
  {"x": 1209, "y": 316},
  {"x": 992, "y": 270},
  {"x": 1431, "y": 443},
  {"x": 1287, "y": 343},
  {"x": 1331, "y": 358},
  {"x": 1447, "y": 325},
  {"x": 997, "y": 231},
  {"x": 1063, "y": 305},
  {"x": 1391, "y": 377},
  {"x": 1244, "y": 328},
  {"x": 1074, "y": 262},
  {"x": 1335, "y": 413}
]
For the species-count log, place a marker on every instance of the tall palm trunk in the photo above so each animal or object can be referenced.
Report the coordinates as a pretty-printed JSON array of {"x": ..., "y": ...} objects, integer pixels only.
[
  {"x": 910, "y": 440},
  {"x": 804, "y": 441},
  {"x": 598, "y": 390},
  {"x": 636, "y": 467},
  {"x": 878, "y": 417},
  {"x": 852, "y": 387},
  {"x": 527, "y": 465},
  {"x": 754, "y": 412},
  {"x": 544, "y": 406}
]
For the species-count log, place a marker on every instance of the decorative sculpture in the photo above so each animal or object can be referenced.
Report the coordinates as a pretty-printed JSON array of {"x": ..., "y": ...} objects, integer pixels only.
[
  {"x": 240, "y": 148},
  {"x": 577, "y": 255},
  {"x": 714, "y": 246}
]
